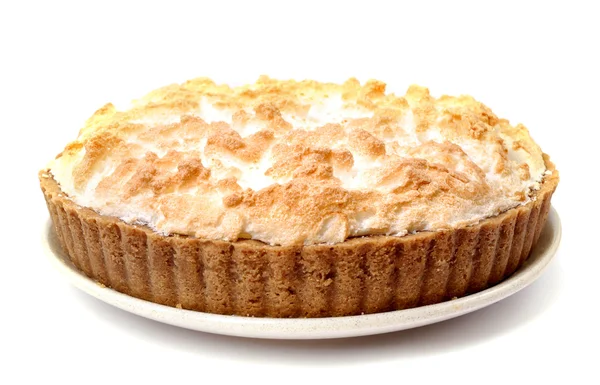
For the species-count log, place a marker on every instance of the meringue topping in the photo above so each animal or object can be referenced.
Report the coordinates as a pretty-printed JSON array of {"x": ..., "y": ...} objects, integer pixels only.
[{"x": 289, "y": 163}]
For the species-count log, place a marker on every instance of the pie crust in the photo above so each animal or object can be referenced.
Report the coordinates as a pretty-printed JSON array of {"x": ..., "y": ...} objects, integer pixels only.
[{"x": 249, "y": 278}]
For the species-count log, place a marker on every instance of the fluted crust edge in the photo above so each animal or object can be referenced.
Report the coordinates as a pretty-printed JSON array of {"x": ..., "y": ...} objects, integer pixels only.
[{"x": 249, "y": 278}]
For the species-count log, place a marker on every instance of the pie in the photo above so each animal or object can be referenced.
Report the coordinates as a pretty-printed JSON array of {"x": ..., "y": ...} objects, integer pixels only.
[{"x": 298, "y": 199}]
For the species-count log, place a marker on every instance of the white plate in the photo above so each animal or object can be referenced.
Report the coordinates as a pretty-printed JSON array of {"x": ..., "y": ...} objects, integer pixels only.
[{"x": 315, "y": 328}]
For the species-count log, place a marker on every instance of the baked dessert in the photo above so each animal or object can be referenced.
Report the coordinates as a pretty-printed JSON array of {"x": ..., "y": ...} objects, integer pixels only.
[{"x": 298, "y": 199}]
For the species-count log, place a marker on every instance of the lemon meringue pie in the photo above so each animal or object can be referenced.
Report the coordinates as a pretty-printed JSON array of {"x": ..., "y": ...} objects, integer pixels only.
[{"x": 298, "y": 199}]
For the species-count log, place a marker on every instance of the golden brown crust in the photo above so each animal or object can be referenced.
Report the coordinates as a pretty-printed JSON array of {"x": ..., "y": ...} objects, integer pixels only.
[{"x": 361, "y": 275}]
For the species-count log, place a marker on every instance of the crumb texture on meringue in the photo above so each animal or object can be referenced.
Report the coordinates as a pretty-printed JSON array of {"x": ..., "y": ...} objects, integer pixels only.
[{"x": 292, "y": 163}]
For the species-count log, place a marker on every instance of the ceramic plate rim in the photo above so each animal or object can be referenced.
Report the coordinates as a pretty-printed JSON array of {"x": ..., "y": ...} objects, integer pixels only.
[{"x": 313, "y": 328}]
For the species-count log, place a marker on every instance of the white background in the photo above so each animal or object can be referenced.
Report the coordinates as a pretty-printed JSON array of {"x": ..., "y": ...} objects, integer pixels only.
[{"x": 535, "y": 63}]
